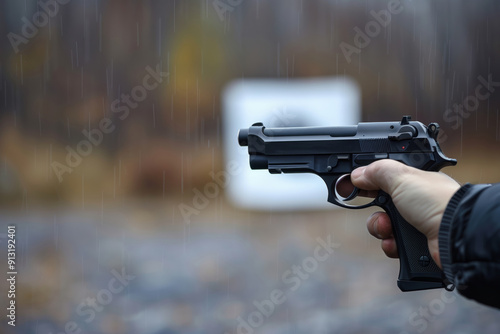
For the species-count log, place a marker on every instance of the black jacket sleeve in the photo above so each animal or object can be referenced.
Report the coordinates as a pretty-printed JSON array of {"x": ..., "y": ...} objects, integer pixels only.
[{"x": 469, "y": 242}]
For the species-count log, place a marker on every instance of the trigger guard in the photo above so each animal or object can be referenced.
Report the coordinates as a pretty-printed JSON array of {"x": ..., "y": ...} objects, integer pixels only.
[
  {"x": 353, "y": 194},
  {"x": 339, "y": 200}
]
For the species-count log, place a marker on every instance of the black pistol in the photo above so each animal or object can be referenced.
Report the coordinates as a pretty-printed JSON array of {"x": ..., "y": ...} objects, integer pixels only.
[{"x": 334, "y": 152}]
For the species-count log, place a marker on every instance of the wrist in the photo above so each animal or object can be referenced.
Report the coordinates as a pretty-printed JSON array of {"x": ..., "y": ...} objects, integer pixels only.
[
  {"x": 434, "y": 251},
  {"x": 444, "y": 237}
]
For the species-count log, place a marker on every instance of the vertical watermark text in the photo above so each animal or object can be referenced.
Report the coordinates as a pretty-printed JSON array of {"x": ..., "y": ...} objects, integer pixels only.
[{"x": 11, "y": 275}]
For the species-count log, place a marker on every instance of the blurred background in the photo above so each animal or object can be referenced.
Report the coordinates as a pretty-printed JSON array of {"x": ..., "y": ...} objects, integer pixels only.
[{"x": 129, "y": 203}]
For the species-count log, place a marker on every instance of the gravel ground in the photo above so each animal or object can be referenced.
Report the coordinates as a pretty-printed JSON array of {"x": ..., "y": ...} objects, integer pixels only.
[{"x": 138, "y": 268}]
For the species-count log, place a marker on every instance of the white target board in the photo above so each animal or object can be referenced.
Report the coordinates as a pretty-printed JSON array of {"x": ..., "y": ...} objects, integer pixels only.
[{"x": 326, "y": 101}]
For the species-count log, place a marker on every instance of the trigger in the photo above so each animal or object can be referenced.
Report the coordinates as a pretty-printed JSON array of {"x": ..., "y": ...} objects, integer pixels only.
[{"x": 353, "y": 195}]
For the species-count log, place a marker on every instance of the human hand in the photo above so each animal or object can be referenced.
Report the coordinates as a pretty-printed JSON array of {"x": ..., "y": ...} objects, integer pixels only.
[{"x": 421, "y": 198}]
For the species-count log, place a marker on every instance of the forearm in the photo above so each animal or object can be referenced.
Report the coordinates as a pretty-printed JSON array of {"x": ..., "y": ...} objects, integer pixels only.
[{"x": 469, "y": 242}]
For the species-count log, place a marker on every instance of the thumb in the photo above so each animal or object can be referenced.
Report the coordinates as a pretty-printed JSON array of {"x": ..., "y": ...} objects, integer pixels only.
[{"x": 382, "y": 174}]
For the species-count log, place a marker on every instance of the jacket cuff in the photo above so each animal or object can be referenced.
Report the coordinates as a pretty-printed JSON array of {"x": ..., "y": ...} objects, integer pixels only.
[{"x": 444, "y": 238}]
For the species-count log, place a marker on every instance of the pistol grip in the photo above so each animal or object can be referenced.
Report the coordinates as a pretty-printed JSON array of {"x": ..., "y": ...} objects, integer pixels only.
[{"x": 417, "y": 271}]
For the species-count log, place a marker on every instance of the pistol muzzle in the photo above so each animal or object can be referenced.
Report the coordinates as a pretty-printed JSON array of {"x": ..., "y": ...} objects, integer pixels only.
[{"x": 243, "y": 137}]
